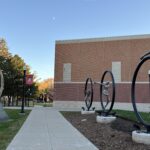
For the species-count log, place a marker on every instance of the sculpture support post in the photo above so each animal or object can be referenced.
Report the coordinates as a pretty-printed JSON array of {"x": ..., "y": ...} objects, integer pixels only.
[
  {"x": 3, "y": 115},
  {"x": 1, "y": 83}
]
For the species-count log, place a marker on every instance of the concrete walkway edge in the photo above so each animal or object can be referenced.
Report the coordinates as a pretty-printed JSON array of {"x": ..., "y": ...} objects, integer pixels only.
[{"x": 46, "y": 129}]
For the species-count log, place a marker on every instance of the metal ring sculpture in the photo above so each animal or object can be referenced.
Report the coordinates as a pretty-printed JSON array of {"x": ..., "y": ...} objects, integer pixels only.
[
  {"x": 1, "y": 82},
  {"x": 88, "y": 93},
  {"x": 107, "y": 89},
  {"x": 144, "y": 59}
]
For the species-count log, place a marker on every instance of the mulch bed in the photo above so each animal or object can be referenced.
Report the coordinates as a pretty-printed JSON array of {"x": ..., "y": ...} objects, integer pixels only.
[{"x": 114, "y": 136}]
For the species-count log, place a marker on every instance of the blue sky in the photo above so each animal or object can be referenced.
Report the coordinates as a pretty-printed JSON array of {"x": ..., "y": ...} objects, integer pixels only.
[{"x": 31, "y": 27}]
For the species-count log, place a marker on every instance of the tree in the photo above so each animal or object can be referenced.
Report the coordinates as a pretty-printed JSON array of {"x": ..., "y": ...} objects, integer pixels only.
[
  {"x": 12, "y": 67},
  {"x": 4, "y": 49},
  {"x": 3, "y": 61},
  {"x": 46, "y": 88},
  {"x": 17, "y": 64},
  {"x": 5, "y": 65}
]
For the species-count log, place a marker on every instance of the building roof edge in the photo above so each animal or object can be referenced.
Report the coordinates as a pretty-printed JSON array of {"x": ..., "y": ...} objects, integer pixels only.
[{"x": 113, "y": 38}]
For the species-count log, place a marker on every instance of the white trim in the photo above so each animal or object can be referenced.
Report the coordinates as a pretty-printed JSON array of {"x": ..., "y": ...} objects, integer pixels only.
[
  {"x": 113, "y": 38},
  {"x": 124, "y": 82},
  {"x": 61, "y": 82},
  {"x": 76, "y": 106},
  {"x": 72, "y": 105},
  {"x": 142, "y": 107}
]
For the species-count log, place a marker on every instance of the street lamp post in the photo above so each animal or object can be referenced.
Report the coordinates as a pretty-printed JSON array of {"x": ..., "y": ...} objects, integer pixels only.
[{"x": 24, "y": 79}]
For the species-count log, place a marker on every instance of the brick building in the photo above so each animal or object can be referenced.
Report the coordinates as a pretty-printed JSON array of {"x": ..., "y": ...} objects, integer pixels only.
[{"x": 75, "y": 60}]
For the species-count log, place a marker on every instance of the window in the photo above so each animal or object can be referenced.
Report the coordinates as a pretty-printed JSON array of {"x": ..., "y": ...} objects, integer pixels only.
[
  {"x": 67, "y": 72},
  {"x": 116, "y": 70}
]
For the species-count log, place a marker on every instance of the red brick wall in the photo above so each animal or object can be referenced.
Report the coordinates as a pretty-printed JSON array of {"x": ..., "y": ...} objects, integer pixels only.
[
  {"x": 91, "y": 59},
  {"x": 75, "y": 92}
]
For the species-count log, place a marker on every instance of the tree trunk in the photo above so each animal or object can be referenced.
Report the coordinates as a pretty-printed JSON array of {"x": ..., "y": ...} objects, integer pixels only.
[{"x": 9, "y": 100}]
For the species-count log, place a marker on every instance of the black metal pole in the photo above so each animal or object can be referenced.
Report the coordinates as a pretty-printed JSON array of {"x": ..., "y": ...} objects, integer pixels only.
[
  {"x": 23, "y": 99},
  {"x": 149, "y": 81}
]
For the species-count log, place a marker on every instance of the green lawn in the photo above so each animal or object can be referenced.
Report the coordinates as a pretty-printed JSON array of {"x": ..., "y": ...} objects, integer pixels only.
[
  {"x": 131, "y": 115},
  {"x": 122, "y": 113},
  {"x": 9, "y": 129}
]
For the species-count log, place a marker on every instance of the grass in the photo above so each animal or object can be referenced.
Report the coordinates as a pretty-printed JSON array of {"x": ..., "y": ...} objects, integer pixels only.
[
  {"x": 131, "y": 115},
  {"x": 9, "y": 128}
]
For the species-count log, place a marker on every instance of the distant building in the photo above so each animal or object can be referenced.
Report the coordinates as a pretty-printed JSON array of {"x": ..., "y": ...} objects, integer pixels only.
[{"x": 75, "y": 60}]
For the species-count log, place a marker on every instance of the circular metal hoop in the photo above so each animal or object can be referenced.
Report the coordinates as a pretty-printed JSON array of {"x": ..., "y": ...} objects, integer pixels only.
[
  {"x": 133, "y": 98},
  {"x": 88, "y": 93},
  {"x": 104, "y": 91},
  {"x": 1, "y": 82}
]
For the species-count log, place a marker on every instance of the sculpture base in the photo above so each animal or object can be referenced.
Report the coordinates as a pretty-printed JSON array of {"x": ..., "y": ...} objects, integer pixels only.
[
  {"x": 105, "y": 119},
  {"x": 3, "y": 115},
  {"x": 84, "y": 112},
  {"x": 141, "y": 137}
]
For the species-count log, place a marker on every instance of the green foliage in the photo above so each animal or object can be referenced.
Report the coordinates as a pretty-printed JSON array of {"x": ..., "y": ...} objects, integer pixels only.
[
  {"x": 12, "y": 67},
  {"x": 131, "y": 115},
  {"x": 4, "y": 49},
  {"x": 122, "y": 113},
  {"x": 126, "y": 114}
]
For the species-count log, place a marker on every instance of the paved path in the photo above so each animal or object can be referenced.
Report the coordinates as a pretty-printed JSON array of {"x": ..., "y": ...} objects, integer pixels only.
[{"x": 46, "y": 129}]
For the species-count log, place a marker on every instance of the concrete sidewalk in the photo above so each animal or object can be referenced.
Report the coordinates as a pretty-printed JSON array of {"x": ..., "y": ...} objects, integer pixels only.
[
  {"x": 47, "y": 129},
  {"x": 14, "y": 107}
]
